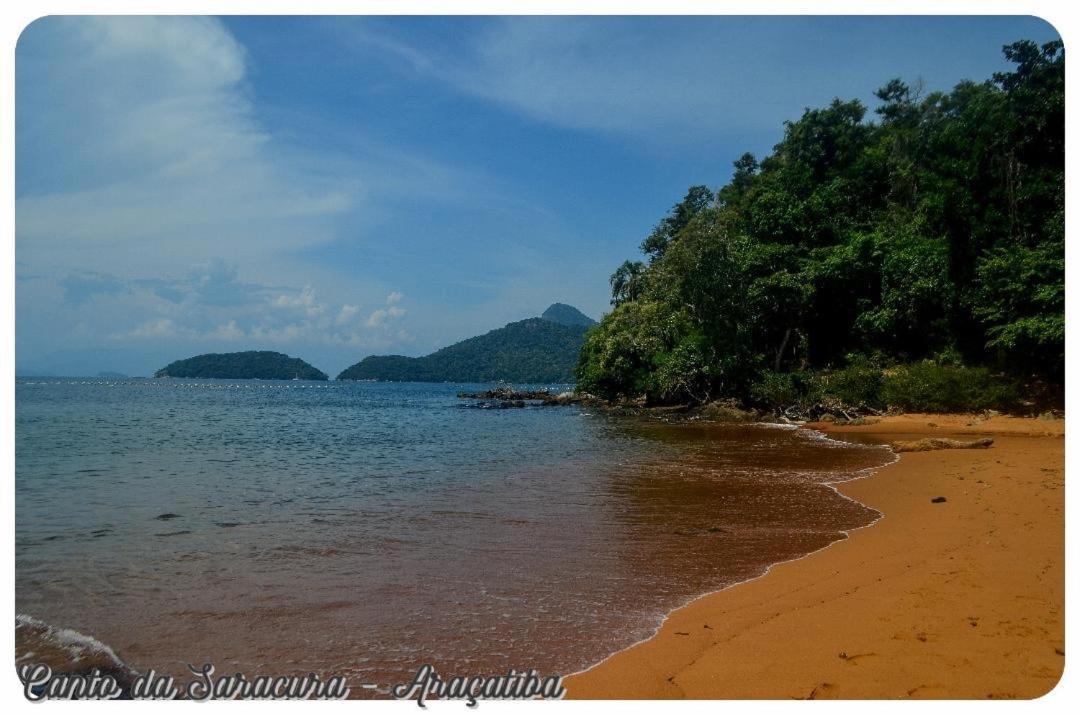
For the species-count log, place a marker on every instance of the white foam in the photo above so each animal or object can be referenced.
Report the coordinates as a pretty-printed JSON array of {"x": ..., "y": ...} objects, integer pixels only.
[{"x": 76, "y": 644}]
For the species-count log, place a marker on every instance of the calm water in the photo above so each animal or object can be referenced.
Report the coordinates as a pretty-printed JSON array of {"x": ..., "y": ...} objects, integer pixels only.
[{"x": 363, "y": 529}]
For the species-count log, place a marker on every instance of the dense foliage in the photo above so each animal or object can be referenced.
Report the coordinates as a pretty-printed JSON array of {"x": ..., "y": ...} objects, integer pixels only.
[
  {"x": 249, "y": 365},
  {"x": 933, "y": 233},
  {"x": 533, "y": 350}
]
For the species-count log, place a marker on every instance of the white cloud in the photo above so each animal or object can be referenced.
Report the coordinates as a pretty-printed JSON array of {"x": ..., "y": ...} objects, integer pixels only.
[
  {"x": 664, "y": 81},
  {"x": 640, "y": 78},
  {"x": 376, "y": 318},
  {"x": 228, "y": 331},
  {"x": 211, "y": 305},
  {"x": 347, "y": 314},
  {"x": 304, "y": 301},
  {"x": 160, "y": 328},
  {"x": 152, "y": 205},
  {"x": 151, "y": 117}
]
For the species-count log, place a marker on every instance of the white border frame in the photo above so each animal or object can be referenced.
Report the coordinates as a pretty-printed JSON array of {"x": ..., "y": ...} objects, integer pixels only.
[{"x": 14, "y": 17}]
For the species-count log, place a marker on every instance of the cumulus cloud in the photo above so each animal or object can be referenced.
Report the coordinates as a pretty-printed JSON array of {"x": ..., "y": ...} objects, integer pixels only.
[
  {"x": 281, "y": 316},
  {"x": 347, "y": 314},
  {"x": 376, "y": 318}
]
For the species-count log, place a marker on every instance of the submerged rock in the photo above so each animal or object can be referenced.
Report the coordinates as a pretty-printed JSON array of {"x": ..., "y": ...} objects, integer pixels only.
[
  {"x": 495, "y": 404},
  {"x": 506, "y": 393}
]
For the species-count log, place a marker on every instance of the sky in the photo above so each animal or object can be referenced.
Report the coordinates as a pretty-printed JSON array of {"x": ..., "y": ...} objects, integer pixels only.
[{"x": 336, "y": 187}]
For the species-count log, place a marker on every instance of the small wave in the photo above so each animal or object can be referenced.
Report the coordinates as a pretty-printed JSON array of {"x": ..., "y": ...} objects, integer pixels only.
[{"x": 66, "y": 650}]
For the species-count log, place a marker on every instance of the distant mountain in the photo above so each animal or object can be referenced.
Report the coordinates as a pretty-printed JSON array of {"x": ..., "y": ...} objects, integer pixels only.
[
  {"x": 111, "y": 374},
  {"x": 250, "y": 365},
  {"x": 541, "y": 349},
  {"x": 564, "y": 314}
]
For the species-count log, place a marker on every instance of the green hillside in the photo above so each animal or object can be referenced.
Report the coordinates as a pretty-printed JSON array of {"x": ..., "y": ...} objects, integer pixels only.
[
  {"x": 566, "y": 315},
  {"x": 250, "y": 365},
  {"x": 532, "y": 350}
]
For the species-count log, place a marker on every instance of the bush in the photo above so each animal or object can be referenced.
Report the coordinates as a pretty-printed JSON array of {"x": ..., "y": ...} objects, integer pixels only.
[
  {"x": 930, "y": 387},
  {"x": 920, "y": 387},
  {"x": 779, "y": 390},
  {"x": 858, "y": 385}
]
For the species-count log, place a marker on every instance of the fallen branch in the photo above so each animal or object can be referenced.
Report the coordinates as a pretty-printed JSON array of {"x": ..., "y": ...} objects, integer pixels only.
[{"x": 932, "y": 443}]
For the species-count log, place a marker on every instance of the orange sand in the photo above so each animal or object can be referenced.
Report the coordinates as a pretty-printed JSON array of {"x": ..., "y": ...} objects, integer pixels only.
[{"x": 961, "y": 599}]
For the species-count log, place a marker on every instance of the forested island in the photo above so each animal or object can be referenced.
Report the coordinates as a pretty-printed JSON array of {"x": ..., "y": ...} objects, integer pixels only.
[
  {"x": 538, "y": 350},
  {"x": 248, "y": 365},
  {"x": 915, "y": 260}
]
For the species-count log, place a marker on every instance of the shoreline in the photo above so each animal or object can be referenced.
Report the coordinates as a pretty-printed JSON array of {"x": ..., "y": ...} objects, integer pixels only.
[{"x": 884, "y": 612}]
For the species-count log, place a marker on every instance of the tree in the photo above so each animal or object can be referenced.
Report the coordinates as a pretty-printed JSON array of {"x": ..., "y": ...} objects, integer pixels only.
[
  {"x": 626, "y": 282},
  {"x": 935, "y": 230},
  {"x": 695, "y": 201}
]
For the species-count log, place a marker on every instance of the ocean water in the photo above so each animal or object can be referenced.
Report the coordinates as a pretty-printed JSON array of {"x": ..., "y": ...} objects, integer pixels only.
[{"x": 364, "y": 529}]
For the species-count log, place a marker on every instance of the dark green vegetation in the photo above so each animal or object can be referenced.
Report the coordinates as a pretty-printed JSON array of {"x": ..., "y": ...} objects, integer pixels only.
[
  {"x": 566, "y": 315},
  {"x": 534, "y": 350},
  {"x": 250, "y": 365},
  {"x": 912, "y": 261}
]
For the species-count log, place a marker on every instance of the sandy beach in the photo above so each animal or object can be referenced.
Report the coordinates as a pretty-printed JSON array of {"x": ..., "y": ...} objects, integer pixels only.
[{"x": 961, "y": 598}]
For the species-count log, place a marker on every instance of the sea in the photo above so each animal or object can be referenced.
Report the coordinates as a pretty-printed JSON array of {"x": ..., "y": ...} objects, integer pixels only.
[{"x": 365, "y": 529}]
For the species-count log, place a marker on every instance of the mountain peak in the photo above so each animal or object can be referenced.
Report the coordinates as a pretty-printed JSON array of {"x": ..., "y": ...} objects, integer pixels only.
[{"x": 564, "y": 314}]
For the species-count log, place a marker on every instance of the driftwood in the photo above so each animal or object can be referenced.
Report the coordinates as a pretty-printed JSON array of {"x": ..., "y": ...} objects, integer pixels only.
[{"x": 931, "y": 443}]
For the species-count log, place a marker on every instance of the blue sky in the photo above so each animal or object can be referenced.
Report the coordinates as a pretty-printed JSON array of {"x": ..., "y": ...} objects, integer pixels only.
[{"x": 339, "y": 187}]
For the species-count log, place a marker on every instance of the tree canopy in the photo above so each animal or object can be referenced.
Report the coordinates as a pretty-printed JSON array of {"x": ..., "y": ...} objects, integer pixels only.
[{"x": 932, "y": 229}]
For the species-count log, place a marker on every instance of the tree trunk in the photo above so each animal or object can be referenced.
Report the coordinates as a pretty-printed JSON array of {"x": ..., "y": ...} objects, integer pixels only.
[{"x": 780, "y": 352}]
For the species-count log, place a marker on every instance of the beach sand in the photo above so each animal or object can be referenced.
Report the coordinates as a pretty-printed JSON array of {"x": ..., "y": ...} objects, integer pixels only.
[{"x": 956, "y": 599}]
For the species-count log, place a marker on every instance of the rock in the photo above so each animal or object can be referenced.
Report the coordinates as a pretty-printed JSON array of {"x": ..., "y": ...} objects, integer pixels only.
[
  {"x": 938, "y": 500},
  {"x": 167, "y": 516},
  {"x": 506, "y": 393},
  {"x": 495, "y": 404},
  {"x": 565, "y": 398}
]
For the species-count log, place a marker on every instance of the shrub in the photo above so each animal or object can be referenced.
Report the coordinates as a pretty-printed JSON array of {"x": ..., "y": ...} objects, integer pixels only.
[
  {"x": 858, "y": 385},
  {"x": 930, "y": 387},
  {"x": 775, "y": 390}
]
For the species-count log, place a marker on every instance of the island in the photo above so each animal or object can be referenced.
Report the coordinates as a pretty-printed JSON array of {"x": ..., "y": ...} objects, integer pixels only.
[
  {"x": 248, "y": 365},
  {"x": 536, "y": 350}
]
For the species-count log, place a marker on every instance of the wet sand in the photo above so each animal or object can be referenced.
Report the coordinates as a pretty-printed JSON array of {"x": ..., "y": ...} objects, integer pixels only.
[{"x": 956, "y": 599}]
